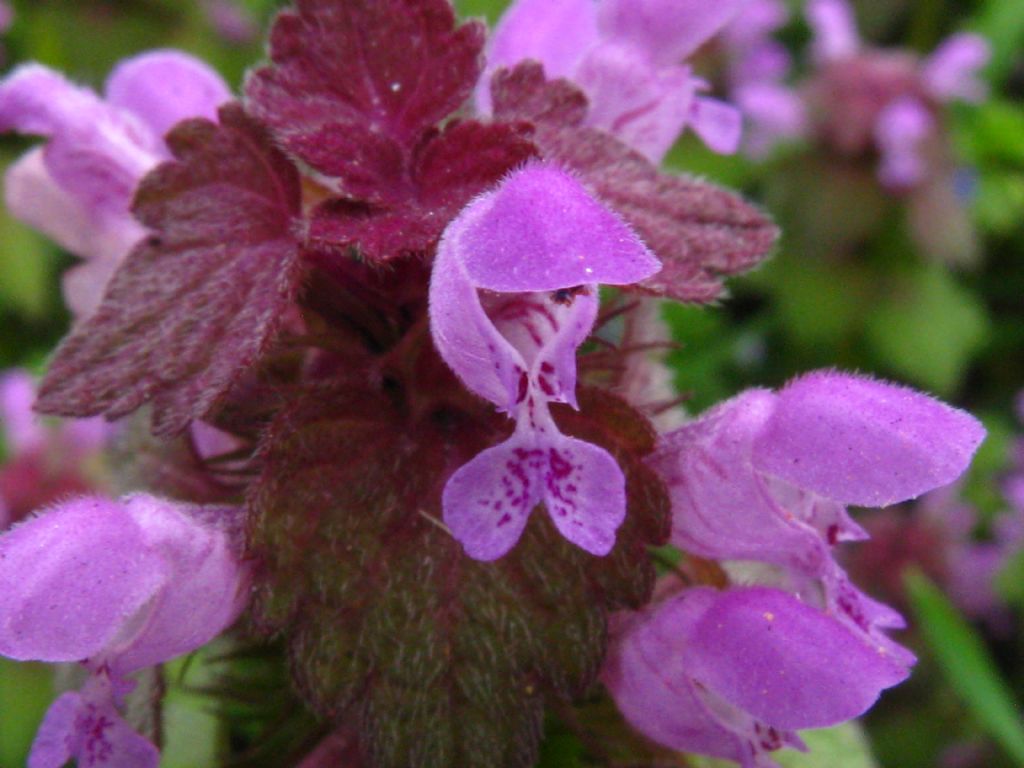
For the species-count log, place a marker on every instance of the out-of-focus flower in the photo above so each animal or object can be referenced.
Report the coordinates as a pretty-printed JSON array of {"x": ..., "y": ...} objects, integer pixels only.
[
  {"x": 764, "y": 478},
  {"x": 77, "y": 188},
  {"x": 44, "y": 462},
  {"x": 886, "y": 101},
  {"x": 117, "y": 586},
  {"x": 231, "y": 20},
  {"x": 757, "y": 68},
  {"x": 540, "y": 264},
  {"x": 627, "y": 56}
]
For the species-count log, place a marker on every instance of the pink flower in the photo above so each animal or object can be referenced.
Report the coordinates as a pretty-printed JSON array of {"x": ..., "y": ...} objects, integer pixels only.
[
  {"x": 627, "y": 57},
  {"x": 513, "y": 294},
  {"x": 77, "y": 189},
  {"x": 117, "y": 586}
]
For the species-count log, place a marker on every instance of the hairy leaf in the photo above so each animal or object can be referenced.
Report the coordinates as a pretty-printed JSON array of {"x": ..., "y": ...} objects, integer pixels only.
[
  {"x": 443, "y": 175},
  {"x": 194, "y": 305},
  {"x": 355, "y": 85},
  {"x": 439, "y": 660},
  {"x": 699, "y": 231}
]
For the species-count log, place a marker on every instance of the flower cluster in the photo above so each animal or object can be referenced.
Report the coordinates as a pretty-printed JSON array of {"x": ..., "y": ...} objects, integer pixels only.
[
  {"x": 763, "y": 479},
  {"x": 77, "y": 188},
  {"x": 858, "y": 101},
  {"x": 388, "y": 328}
]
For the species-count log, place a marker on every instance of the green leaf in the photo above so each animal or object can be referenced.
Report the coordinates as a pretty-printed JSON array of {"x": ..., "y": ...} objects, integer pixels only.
[
  {"x": 844, "y": 746},
  {"x": 927, "y": 327},
  {"x": 962, "y": 655}
]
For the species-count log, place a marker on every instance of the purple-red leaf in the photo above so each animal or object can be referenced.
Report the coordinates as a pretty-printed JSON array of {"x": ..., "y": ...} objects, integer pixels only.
[
  {"x": 354, "y": 86},
  {"x": 700, "y": 232},
  {"x": 197, "y": 302},
  {"x": 436, "y": 659},
  {"x": 443, "y": 175}
]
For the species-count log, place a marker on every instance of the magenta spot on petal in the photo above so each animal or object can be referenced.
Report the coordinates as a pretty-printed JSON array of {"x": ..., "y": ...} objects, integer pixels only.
[
  {"x": 547, "y": 367},
  {"x": 524, "y": 384},
  {"x": 546, "y": 386},
  {"x": 560, "y": 468},
  {"x": 833, "y": 534},
  {"x": 504, "y": 520}
]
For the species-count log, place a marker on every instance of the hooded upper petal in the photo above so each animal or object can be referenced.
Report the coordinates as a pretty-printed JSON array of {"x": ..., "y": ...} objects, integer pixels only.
[
  {"x": 75, "y": 575},
  {"x": 647, "y": 671},
  {"x": 164, "y": 87},
  {"x": 126, "y": 583},
  {"x": 786, "y": 662},
  {"x": 539, "y": 231},
  {"x": 860, "y": 441}
]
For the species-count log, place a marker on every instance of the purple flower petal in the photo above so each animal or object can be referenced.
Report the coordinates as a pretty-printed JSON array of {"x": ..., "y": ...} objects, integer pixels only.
[
  {"x": 555, "y": 34},
  {"x": 834, "y": 28},
  {"x": 900, "y": 130},
  {"x": 864, "y": 442},
  {"x": 774, "y": 113},
  {"x": 87, "y": 727},
  {"x": 647, "y": 673},
  {"x": 207, "y": 590},
  {"x": 488, "y": 500},
  {"x": 785, "y": 662},
  {"x": 34, "y": 197},
  {"x": 165, "y": 87},
  {"x": 668, "y": 30},
  {"x": 719, "y": 125},
  {"x": 585, "y": 494},
  {"x": 721, "y": 507},
  {"x": 541, "y": 230},
  {"x": 75, "y": 575},
  {"x": 56, "y": 739},
  {"x": 21, "y": 428},
  {"x": 951, "y": 72},
  {"x": 96, "y": 152},
  {"x": 646, "y": 107},
  {"x": 125, "y": 584}
]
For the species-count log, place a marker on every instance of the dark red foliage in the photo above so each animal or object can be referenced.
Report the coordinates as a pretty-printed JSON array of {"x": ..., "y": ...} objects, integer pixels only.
[
  {"x": 438, "y": 660},
  {"x": 198, "y": 302},
  {"x": 699, "y": 231},
  {"x": 443, "y": 175},
  {"x": 355, "y": 86},
  {"x": 356, "y": 90}
]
